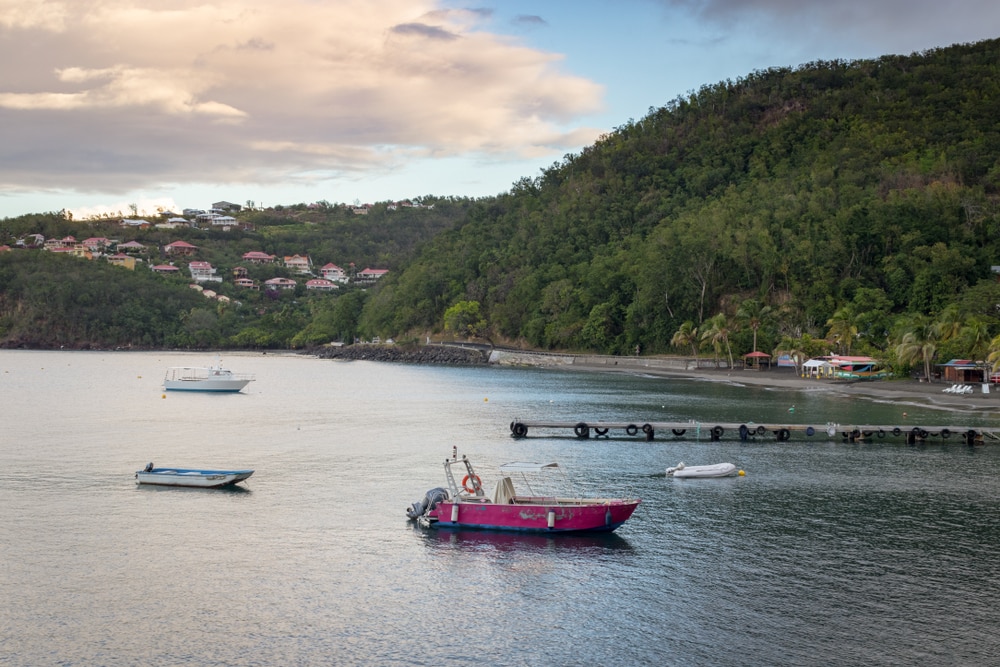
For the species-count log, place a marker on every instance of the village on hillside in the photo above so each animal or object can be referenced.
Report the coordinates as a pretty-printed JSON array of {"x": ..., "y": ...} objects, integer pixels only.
[{"x": 176, "y": 257}]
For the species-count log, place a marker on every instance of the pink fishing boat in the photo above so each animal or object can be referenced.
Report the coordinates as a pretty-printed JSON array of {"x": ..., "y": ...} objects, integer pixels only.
[{"x": 466, "y": 504}]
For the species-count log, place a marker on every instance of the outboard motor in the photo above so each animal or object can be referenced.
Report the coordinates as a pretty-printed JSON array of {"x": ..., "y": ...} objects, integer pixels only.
[{"x": 430, "y": 501}]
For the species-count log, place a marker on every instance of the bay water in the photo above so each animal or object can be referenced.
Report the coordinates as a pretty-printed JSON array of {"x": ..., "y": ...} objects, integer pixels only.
[{"x": 824, "y": 553}]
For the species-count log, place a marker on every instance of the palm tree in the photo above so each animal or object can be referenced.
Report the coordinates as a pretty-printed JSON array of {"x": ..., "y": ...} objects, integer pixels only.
[
  {"x": 843, "y": 330},
  {"x": 687, "y": 334},
  {"x": 976, "y": 336},
  {"x": 717, "y": 334},
  {"x": 919, "y": 343},
  {"x": 754, "y": 313}
]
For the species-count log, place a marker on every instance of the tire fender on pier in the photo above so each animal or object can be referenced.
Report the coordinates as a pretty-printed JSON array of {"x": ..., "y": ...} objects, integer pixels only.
[{"x": 582, "y": 430}]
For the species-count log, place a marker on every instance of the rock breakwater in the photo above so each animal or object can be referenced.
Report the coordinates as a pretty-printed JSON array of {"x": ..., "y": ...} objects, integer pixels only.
[{"x": 424, "y": 354}]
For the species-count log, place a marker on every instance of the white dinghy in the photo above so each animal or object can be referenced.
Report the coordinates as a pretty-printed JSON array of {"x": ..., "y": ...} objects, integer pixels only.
[{"x": 716, "y": 470}]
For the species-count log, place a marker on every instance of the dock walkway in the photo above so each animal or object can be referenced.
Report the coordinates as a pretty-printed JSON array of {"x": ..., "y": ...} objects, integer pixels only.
[{"x": 744, "y": 431}]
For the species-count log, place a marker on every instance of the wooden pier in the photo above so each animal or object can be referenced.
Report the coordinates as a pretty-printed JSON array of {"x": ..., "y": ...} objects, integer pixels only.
[{"x": 746, "y": 431}]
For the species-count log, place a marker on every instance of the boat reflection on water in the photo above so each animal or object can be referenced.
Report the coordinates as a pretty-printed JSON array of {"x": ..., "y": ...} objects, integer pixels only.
[{"x": 480, "y": 540}]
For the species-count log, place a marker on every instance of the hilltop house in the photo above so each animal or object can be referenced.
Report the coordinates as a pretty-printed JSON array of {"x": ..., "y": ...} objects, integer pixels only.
[
  {"x": 321, "y": 284},
  {"x": 334, "y": 273},
  {"x": 279, "y": 283},
  {"x": 203, "y": 272},
  {"x": 298, "y": 263},
  {"x": 370, "y": 275},
  {"x": 96, "y": 243},
  {"x": 257, "y": 257},
  {"x": 123, "y": 260},
  {"x": 182, "y": 248},
  {"x": 131, "y": 246}
]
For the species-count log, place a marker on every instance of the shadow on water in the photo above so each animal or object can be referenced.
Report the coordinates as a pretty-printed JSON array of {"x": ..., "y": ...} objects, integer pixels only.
[
  {"x": 234, "y": 489},
  {"x": 478, "y": 540}
]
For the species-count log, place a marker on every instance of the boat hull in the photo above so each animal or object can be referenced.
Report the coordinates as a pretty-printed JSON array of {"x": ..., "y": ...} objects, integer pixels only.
[
  {"x": 541, "y": 518},
  {"x": 232, "y": 386},
  {"x": 201, "y": 479}
]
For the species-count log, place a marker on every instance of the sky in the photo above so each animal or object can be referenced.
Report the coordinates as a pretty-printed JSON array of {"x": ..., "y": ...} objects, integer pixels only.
[{"x": 122, "y": 106}]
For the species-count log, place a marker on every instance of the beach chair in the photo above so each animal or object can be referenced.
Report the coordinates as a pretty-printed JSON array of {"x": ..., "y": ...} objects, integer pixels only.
[{"x": 951, "y": 390}]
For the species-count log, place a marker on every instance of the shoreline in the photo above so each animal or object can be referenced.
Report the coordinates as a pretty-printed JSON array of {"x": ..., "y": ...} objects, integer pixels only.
[{"x": 925, "y": 394}]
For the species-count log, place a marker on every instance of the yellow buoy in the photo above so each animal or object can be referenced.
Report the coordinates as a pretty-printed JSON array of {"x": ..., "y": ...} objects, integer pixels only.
[
  {"x": 486, "y": 400},
  {"x": 163, "y": 395},
  {"x": 741, "y": 474}
]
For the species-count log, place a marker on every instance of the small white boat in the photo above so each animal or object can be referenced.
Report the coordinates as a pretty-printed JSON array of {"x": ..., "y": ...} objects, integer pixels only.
[
  {"x": 214, "y": 378},
  {"x": 202, "y": 479},
  {"x": 716, "y": 470}
]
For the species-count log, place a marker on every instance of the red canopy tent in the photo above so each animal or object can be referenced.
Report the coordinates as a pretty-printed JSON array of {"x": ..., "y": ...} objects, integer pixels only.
[{"x": 756, "y": 360}]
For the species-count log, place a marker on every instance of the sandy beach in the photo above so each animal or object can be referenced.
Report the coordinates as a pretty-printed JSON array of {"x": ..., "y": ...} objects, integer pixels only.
[{"x": 930, "y": 394}]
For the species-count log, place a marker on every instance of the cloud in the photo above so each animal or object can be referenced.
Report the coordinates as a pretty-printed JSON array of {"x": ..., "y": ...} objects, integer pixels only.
[
  {"x": 877, "y": 27},
  {"x": 115, "y": 95}
]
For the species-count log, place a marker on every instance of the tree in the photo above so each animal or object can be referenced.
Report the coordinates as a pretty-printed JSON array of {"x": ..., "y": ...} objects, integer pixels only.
[
  {"x": 464, "y": 319},
  {"x": 919, "y": 343},
  {"x": 842, "y": 329},
  {"x": 716, "y": 333},
  {"x": 687, "y": 334},
  {"x": 754, "y": 313}
]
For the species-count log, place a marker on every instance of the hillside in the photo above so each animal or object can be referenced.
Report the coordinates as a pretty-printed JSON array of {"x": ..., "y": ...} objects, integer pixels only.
[
  {"x": 53, "y": 300},
  {"x": 859, "y": 195}
]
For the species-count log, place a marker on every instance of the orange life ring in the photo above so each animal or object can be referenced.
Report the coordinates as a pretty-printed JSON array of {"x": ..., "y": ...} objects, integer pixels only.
[{"x": 476, "y": 484}]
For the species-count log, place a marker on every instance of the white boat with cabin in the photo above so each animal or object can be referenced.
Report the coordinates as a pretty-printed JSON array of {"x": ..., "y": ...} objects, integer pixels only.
[{"x": 213, "y": 378}]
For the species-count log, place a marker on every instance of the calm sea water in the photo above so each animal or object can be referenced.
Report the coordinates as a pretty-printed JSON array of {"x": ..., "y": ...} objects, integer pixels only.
[{"x": 824, "y": 553}]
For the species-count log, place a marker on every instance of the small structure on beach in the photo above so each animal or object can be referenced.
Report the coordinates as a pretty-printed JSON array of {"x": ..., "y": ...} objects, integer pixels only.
[
  {"x": 963, "y": 370},
  {"x": 756, "y": 360}
]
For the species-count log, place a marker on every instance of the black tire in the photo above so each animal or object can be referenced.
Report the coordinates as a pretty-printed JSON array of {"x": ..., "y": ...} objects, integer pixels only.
[
  {"x": 582, "y": 430},
  {"x": 744, "y": 432},
  {"x": 717, "y": 432},
  {"x": 923, "y": 434},
  {"x": 678, "y": 431},
  {"x": 896, "y": 431},
  {"x": 783, "y": 434},
  {"x": 810, "y": 431},
  {"x": 855, "y": 433},
  {"x": 520, "y": 430},
  {"x": 647, "y": 429},
  {"x": 880, "y": 433},
  {"x": 945, "y": 433},
  {"x": 761, "y": 430},
  {"x": 600, "y": 431},
  {"x": 631, "y": 429}
]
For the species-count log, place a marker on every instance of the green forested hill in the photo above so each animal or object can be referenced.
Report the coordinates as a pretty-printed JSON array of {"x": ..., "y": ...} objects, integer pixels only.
[{"x": 843, "y": 196}]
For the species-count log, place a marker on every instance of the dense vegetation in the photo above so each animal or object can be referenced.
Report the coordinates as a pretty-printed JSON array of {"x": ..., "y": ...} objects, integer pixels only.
[
  {"x": 835, "y": 206},
  {"x": 843, "y": 201}
]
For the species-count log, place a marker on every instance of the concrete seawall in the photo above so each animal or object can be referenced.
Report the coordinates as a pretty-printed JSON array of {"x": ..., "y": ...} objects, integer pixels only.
[{"x": 592, "y": 361}]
